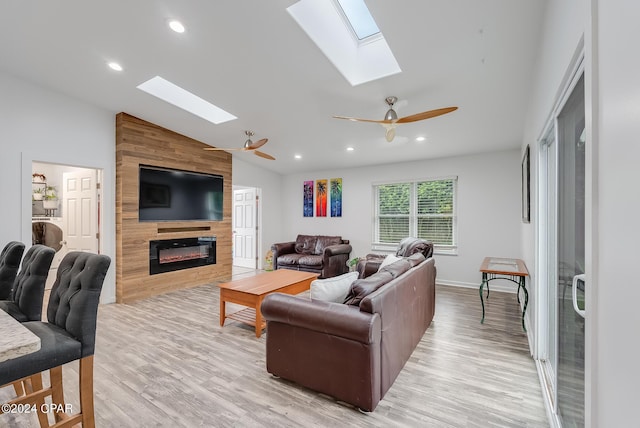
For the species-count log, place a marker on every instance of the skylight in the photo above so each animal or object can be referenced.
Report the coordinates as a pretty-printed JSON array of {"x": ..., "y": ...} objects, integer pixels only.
[
  {"x": 174, "y": 94},
  {"x": 359, "y": 60},
  {"x": 359, "y": 18}
]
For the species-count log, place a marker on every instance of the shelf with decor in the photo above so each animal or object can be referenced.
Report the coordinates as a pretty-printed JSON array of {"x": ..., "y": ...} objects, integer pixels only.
[{"x": 44, "y": 197}]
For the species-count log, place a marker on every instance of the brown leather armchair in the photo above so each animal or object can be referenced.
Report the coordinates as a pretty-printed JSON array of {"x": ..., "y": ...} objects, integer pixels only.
[
  {"x": 324, "y": 255},
  {"x": 370, "y": 264}
]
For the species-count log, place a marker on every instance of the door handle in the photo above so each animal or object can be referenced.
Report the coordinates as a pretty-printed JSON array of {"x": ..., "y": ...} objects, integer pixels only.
[{"x": 574, "y": 293}]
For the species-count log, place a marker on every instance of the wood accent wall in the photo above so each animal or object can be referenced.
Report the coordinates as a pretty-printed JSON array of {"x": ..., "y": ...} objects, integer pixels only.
[{"x": 140, "y": 142}]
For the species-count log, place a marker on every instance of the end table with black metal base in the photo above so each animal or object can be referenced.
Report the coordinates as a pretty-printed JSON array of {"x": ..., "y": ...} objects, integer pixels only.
[{"x": 513, "y": 270}]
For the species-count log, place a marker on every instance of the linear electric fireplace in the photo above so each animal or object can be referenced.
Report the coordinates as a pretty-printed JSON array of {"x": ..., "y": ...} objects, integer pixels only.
[{"x": 167, "y": 255}]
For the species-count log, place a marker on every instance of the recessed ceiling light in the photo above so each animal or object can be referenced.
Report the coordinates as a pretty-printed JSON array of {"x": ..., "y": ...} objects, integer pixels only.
[
  {"x": 176, "y": 26},
  {"x": 174, "y": 94},
  {"x": 298, "y": 156},
  {"x": 115, "y": 66},
  {"x": 350, "y": 149},
  {"x": 420, "y": 139}
]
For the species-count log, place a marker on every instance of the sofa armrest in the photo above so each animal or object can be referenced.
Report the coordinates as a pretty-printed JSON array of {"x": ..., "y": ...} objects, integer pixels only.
[
  {"x": 328, "y": 318},
  {"x": 327, "y": 347},
  {"x": 280, "y": 249},
  {"x": 333, "y": 250},
  {"x": 334, "y": 260}
]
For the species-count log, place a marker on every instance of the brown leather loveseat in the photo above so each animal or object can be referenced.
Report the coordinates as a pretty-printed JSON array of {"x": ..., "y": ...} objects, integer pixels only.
[
  {"x": 353, "y": 351},
  {"x": 324, "y": 255}
]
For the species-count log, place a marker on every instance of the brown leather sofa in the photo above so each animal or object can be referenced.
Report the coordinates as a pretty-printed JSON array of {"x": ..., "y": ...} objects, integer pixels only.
[
  {"x": 353, "y": 351},
  {"x": 324, "y": 255},
  {"x": 370, "y": 264}
]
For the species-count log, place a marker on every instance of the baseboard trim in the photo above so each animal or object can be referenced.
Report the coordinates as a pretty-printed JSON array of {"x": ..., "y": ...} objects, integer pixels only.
[{"x": 494, "y": 286}]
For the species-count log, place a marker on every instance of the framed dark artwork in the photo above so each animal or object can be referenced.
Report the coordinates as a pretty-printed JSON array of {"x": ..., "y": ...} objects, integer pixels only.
[
  {"x": 307, "y": 199},
  {"x": 526, "y": 186}
]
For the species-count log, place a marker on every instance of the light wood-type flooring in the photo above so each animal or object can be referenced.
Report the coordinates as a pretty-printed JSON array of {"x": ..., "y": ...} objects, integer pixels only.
[{"x": 166, "y": 362}]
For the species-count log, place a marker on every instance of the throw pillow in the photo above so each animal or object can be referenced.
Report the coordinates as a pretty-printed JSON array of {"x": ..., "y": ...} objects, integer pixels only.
[
  {"x": 388, "y": 260},
  {"x": 333, "y": 289}
]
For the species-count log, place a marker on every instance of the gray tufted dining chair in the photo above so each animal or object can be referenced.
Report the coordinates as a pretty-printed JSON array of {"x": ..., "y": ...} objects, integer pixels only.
[
  {"x": 9, "y": 265},
  {"x": 68, "y": 335},
  {"x": 25, "y": 301}
]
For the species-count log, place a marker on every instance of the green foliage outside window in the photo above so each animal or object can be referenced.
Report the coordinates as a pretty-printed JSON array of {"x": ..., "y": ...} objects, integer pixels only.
[{"x": 424, "y": 209}]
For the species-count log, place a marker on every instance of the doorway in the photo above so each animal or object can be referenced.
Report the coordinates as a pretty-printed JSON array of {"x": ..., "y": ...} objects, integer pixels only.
[
  {"x": 562, "y": 257},
  {"x": 247, "y": 234},
  {"x": 65, "y": 210}
]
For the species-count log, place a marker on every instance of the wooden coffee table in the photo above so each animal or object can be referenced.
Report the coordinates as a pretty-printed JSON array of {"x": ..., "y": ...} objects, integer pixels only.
[{"x": 251, "y": 291}]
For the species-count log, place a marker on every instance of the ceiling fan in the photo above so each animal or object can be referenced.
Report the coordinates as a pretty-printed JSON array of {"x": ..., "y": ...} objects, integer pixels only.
[
  {"x": 249, "y": 146},
  {"x": 391, "y": 121}
]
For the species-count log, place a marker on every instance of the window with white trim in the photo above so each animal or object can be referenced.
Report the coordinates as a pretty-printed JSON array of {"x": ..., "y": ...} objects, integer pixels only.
[{"x": 424, "y": 209}]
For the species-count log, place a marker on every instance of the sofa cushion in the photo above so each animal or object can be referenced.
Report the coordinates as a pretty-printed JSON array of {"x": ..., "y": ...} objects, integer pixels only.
[
  {"x": 390, "y": 258},
  {"x": 333, "y": 289},
  {"x": 305, "y": 244},
  {"x": 290, "y": 259},
  {"x": 310, "y": 260},
  {"x": 361, "y": 288},
  {"x": 397, "y": 268},
  {"x": 324, "y": 241}
]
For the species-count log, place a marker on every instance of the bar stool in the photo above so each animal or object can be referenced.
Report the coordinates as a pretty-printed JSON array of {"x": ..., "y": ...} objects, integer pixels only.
[
  {"x": 9, "y": 265},
  {"x": 68, "y": 335}
]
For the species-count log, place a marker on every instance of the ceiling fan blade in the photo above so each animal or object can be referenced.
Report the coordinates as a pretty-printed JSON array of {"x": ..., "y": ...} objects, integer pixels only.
[
  {"x": 263, "y": 155},
  {"x": 257, "y": 144},
  {"x": 222, "y": 148},
  {"x": 355, "y": 119},
  {"x": 426, "y": 115}
]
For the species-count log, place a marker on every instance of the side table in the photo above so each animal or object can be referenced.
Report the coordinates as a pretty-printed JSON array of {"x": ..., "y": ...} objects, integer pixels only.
[{"x": 513, "y": 270}]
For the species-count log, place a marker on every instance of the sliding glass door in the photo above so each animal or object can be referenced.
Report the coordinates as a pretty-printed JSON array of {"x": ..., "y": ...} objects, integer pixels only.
[{"x": 562, "y": 256}]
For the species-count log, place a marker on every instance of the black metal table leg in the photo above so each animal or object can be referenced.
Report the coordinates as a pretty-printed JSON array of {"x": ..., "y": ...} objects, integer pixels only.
[
  {"x": 526, "y": 299},
  {"x": 484, "y": 281}
]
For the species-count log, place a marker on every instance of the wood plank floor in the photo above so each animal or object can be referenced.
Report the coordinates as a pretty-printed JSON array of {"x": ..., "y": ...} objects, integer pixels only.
[{"x": 166, "y": 362}]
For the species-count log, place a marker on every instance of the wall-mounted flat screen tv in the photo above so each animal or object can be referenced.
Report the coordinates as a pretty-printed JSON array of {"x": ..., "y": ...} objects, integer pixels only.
[{"x": 176, "y": 195}]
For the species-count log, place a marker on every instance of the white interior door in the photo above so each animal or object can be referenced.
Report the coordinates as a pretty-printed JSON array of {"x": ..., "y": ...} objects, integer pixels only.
[
  {"x": 80, "y": 210},
  {"x": 245, "y": 228}
]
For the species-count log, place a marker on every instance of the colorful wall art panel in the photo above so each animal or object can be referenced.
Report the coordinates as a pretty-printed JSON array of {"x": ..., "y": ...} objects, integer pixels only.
[
  {"x": 307, "y": 199},
  {"x": 321, "y": 198},
  {"x": 335, "y": 190}
]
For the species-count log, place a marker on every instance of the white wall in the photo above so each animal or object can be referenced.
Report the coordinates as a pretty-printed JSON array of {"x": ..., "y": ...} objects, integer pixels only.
[
  {"x": 616, "y": 204},
  {"x": 488, "y": 208},
  {"x": 40, "y": 125},
  {"x": 270, "y": 185},
  {"x": 564, "y": 25}
]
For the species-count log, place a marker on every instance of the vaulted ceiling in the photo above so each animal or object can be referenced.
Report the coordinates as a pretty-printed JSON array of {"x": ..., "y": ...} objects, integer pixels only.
[{"x": 252, "y": 59}]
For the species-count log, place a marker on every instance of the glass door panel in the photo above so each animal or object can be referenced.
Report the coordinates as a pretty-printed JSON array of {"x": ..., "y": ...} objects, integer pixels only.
[{"x": 570, "y": 258}]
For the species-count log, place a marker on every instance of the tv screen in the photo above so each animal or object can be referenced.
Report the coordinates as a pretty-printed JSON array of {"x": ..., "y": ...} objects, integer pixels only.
[{"x": 175, "y": 195}]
